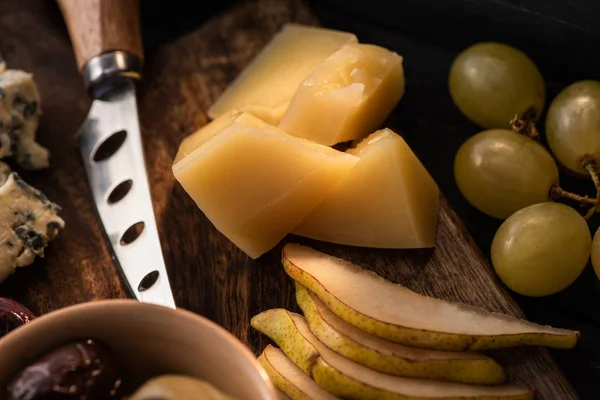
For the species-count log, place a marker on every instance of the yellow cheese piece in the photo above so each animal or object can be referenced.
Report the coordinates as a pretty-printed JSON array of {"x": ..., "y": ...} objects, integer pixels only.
[
  {"x": 254, "y": 182},
  {"x": 388, "y": 200},
  {"x": 271, "y": 79},
  {"x": 347, "y": 97},
  {"x": 190, "y": 143}
]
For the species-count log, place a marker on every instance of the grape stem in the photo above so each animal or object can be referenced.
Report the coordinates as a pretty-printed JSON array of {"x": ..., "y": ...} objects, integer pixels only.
[
  {"x": 525, "y": 124},
  {"x": 590, "y": 166},
  {"x": 558, "y": 192}
]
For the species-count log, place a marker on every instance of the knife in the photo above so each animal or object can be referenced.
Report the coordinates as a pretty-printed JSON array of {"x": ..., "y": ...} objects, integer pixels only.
[{"x": 107, "y": 42}]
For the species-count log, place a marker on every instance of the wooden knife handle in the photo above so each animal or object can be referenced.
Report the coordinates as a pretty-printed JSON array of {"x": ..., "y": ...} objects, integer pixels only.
[{"x": 101, "y": 26}]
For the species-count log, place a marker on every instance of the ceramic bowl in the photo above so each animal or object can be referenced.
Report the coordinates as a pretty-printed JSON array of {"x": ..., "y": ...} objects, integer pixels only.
[{"x": 147, "y": 340}]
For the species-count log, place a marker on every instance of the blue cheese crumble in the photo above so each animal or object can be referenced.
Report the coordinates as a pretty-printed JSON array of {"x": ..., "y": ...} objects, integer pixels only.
[
  {"x": 28, "y": 222},
  {"x": 20, "y": 111}
]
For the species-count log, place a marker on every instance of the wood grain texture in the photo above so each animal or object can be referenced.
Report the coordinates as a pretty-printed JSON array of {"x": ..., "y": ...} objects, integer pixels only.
[
  {"x": 99, "y": 26},
  {"x": 209, "y": 275}
]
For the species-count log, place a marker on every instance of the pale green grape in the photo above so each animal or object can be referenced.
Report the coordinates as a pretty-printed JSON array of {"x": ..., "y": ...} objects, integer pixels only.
[
  {"x": 541, "y": 249},
  {"x": 596, "y": 253},
  {"x": 573, "y": 125},
  {"x": 491, "y": 82},
  {"x": 500, "y": 171}
]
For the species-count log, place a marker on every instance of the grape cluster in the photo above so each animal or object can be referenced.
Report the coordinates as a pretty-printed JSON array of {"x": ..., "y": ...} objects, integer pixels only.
[{"x": 504, "y": 171}]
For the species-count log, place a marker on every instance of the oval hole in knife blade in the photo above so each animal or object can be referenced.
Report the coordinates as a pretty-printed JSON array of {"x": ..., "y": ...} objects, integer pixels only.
[
  {"x": 119, "y": 192},
  {"x": 148, "y": 281},
  {"x": 109, "y": 146},
  {"x": 132, "y": 233}
]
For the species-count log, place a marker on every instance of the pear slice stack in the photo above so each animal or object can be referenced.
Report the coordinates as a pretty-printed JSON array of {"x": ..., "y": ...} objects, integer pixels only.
[
  {"x": 392, "y": 358},
  {"x": 362, "y": 337},
  {"x": 391, "y": 311},
  {"x": 347, "y": 379}
]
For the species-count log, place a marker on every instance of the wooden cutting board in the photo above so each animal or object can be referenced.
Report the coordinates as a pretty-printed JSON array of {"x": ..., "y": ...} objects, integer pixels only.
[{"x": 209, "y": 275}]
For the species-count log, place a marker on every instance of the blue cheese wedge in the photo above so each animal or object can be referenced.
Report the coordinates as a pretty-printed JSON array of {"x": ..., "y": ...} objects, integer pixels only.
[
  {"x": 28, "y": 222},
  {"x": 20, "y": 98}
]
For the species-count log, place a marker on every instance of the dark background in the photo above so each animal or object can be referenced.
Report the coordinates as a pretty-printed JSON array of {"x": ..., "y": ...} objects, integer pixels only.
[{"x": 562, "y": 37}]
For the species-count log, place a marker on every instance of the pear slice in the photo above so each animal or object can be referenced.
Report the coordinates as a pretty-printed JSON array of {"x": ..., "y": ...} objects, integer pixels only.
[
  {"x": 391, "y": 311},
  {"x": 393, "y": 358},
  {"x": 278, "y": 325},
  {"x": 290, "y": 379},
  {"x": 347, "y": 379},
  {"x": 177, "y": 387}
]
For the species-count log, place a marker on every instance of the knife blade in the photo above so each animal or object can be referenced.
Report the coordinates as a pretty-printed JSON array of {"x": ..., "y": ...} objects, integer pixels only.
[{"x": 106, "y": 39}]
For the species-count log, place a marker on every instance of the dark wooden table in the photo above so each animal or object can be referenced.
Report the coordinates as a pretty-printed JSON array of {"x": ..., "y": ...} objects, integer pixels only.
[{"x": 427, "y": 33}]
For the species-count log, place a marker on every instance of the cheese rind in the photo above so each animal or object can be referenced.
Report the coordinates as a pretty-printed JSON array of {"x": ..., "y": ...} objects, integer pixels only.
[
  {"x": 20, "y": 98},
  {"x": 271, "y": 79},
  {"x": 254, "y": 182},
  {"x": 28, "y": 222},
  {"x": 388, "y": 200},
  {"x": 347, "y": 97}
]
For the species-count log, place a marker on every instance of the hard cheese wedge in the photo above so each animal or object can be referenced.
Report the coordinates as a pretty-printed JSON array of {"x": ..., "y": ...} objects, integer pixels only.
[
  {"x": 388, "y": 200},
  {"x": 271, "y": 79},
  {"x": 348, "y": 96},
  {"x": 255, "y": 182}
]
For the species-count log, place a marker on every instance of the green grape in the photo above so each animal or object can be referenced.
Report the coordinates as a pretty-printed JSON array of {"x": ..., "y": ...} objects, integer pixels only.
[
  {"x": 573, "y": 125},
  {"x": 491, "y": 82},
  {"x": 596, "y": 253},
  {"x": 541, "y": 249},
  {"x": 500, "y": 171}
]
